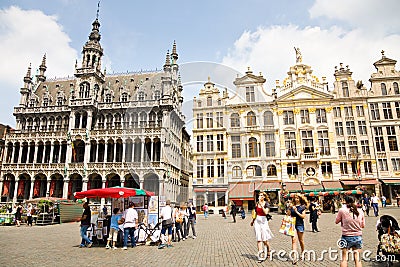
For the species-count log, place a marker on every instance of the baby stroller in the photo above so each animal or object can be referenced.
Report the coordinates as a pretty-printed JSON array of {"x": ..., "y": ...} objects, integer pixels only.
[{"x": 389, "y": 239}]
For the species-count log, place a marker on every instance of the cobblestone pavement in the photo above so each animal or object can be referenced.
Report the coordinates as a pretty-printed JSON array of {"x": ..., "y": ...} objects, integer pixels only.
[{"x": 219, "y": 243}]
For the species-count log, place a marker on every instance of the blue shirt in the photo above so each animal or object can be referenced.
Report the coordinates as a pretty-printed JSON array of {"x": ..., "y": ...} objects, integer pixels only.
[
  {"x": 300, "y": 209},
  {"x": 114, "y": 221}
]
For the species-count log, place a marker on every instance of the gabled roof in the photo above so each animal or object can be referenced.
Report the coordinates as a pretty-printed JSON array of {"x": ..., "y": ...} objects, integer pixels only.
[{"x": 304, "y": 92}]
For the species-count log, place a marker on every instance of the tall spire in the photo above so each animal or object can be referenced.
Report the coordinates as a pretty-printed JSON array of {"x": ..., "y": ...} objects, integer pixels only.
[
  {"x": 42, "y": 69},
  {"x": 28, "y": 78},
  {"x": 174, "y": 54},
  {"x": 167, "y": 65}
]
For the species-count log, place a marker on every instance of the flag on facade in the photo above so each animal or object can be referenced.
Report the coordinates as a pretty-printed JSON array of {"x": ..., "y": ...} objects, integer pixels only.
[
  {"x": 358, "y": 169},
  {"x": 73, "y": 151}
]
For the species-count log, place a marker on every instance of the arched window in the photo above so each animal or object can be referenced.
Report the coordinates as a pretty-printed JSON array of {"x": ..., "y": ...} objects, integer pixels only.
[
  {"x": 108, "y": 98},
  {"x": 396, "y": 88},
  {"x": 124, "y": 97},
  {"x": 253, "y": 147},
  {"x": 345, "y": 89},
  {"x": 45, "y": 102},
  {"x": 117, "y": 122},
  {"x": 251, "y": 119},
  {"x": 152, "y": 119},
  {"x": 383, "y": 89},
  {"x": 236, "y": 172},
  {"x": 87, "y": 90},
  {"x": 271, "y": 170},
  {"x": 235, "y": 120},
  {"x": 100, "y": 121},
  {"x": 268, "y": 118},
  {"x": 143, "y": 119},
  {"x": 77, "y": 120}
]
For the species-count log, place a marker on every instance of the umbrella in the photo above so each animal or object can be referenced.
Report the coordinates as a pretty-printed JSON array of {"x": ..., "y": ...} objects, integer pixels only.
[{"x": 113, "y": 192}]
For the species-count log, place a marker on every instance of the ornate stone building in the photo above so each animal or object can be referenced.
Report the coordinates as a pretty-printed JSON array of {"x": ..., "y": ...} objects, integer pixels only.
[
  {"x": 301, "y": 137},
  {"x": 96, "y": 130}
]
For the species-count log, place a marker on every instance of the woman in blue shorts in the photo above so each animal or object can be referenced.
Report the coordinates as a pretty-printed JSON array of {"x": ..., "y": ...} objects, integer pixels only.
[
  {"x": 352, "y": 221},
  {"x": 298, "y": 209}
]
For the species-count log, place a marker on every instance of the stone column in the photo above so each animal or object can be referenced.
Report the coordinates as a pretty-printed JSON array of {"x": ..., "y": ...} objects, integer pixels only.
[
  {"x": 69, "y": 152},
  {"x": 89, "y": 120},
  {"x": 51, "y": 153},
  {"x": 65, "y": 189},
  {"x": 31, "y": 190},
  {"x": 16, "y": 190},
  {"x": 35, "y": 154},
  {"x": 123, "y": 150},
  {"x": 105, "y": 152},
  {"x": 1, "y": 185},
  {"x": 48, "y": 187},
  {"x": 87, "y": 152},
  {"x": 103, "y": 183},
  {"x": 84, "y": 184}
]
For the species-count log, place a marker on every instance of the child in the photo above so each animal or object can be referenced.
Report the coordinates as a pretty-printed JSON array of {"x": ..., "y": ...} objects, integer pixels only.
[
  {"x": 242, "y": 213},
  {"x": 114, "y": 228}
]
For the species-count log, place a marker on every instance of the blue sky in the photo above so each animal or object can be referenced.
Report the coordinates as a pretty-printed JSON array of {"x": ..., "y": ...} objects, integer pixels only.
[{"x": 237, "y": 34}]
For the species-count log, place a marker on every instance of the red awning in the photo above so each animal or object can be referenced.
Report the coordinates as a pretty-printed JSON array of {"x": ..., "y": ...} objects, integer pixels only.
[
  {"x": 241, "y": 191},
  {"x": 332, "y": 185},
  {"x": 293, "y": 186},
  {"x": 391, "y": 181},
  {"x": 359, "y": 182},
  {"x": 113, "y": 192},
  {"x": 267, "y": 186}
]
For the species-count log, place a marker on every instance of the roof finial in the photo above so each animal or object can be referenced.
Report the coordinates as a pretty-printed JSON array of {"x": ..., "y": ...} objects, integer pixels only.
[
  {"x": 299, "y": 57},
  {"x": 98, "y": 9},
  {"x": 383, "y": 53},
  {"x": 167, "y": 59}
]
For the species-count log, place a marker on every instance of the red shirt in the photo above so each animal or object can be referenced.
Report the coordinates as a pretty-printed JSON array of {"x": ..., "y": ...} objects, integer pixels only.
[{"x": 259, "y": 211}]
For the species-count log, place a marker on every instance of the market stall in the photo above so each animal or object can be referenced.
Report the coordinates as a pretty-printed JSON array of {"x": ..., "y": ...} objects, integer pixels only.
[
  {"x": 146, "y": 204},
  {"x": 46, "y": 209}
]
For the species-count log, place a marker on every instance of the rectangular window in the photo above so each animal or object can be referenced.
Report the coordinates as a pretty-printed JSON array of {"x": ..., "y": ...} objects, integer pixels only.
[
  {"x": 220, "y": 142},
  {"x": 353, "y": 147},
  {"x": 374, "y": 111},
  {"x": 220, "y": 119},
  {"x": 288, "y": 117},
  {"x": 199, "y": 120},
  {"x": 290, "y": 143},
  {"x": 396, "y": 164},
  {"x": 397, "y": 107},
  {"x": 348, "y": 112},
  {"x": 362, "y": 127},
  {"x": 199, "y": 141},
  {"x": 200, "y": 168},
  {"x": 365, "y": 147},
  {"x": 209, "y": 101},
  {"x": 343, "y": 168},
  {"x": 382, "y": 164},
  {"x": 323, "y": 142},
  {"x": 360, "y": 111},
  {"x": 321, "y": 115},
  {"x": 350, "y": 128},
  {"x": 387, "y": 111},
  {"x": 337, "y": 112},
  {"x": 341, "y": 148},
  {"x": 209, "y": 120},
  {"x": 392, "y": 139},
  {"x": 250, "y": 96},
  {"x": 210, "y": 143},
  {"x": 270, "y": 145},
  {"x": 307, "y": 139},
  {"x": 220, "y": 168},
  {"x": 379, "y": 140},
  {"x": 210, "y": 168},
  {"x": 305, "y": 116},
  {"x": 368, "y": 167},
  {"x": 236, "y": 152},
  {"x": 339, "y": 128}
]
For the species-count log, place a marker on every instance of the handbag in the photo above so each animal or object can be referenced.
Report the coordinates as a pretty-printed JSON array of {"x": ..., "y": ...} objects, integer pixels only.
[
  {"x": 390, "y": 243},
  {"x": 167, "y": 223},
  {"x": 254, "y": 214},
  {"x": 288, "y": 225}
]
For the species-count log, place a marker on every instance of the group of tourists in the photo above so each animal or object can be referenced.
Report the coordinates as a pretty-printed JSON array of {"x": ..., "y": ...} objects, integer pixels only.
[
  {"x": 349, "y": 216},
  {"x": 176, "y": 222}
]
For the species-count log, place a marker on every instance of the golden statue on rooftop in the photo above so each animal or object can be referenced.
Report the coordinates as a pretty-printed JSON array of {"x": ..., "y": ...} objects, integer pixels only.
[{"x": 299, "y": 57}]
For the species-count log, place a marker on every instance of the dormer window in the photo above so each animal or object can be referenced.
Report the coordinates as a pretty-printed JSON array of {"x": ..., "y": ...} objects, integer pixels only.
[
  {"x": 45, "y": 102},
  {"x": 108, "y": 98},
  {"x": 250, "y": 95},
  {"x": 124, "y": 97},
  {"x": 32, "y": 103},
  {"x": 209, "y": 101},
  {"x": 345, "y": 89},
  {"x": 157, "y": 95},
  {"x": 383, "y": 89},
  {"x": 84, "y": 90},
  {"x": 141, "y": 96},
  {"x": 59, "y": 101},
  {"x": 396, "y": 88}
]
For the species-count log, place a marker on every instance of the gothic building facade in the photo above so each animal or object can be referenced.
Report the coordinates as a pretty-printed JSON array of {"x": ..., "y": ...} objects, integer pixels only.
[{"x": 97, "y": 130}]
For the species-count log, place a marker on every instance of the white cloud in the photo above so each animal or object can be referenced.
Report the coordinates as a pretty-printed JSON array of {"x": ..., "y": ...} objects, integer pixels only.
[
  {"x": 270, "y": 50},
  {"x": 374, "y": 16},
  {"x": 25, "y": 36}
]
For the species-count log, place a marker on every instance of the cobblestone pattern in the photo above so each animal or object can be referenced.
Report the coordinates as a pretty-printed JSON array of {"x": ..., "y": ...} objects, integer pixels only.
[{"x": 219, "y": 243}]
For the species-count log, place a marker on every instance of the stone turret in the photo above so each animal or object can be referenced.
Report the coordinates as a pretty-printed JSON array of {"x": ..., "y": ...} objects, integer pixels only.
[{"x": 42, "y": 69}]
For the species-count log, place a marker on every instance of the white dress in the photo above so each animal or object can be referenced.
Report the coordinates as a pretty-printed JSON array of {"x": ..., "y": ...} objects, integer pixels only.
[{"x": 261, "y": 227}]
